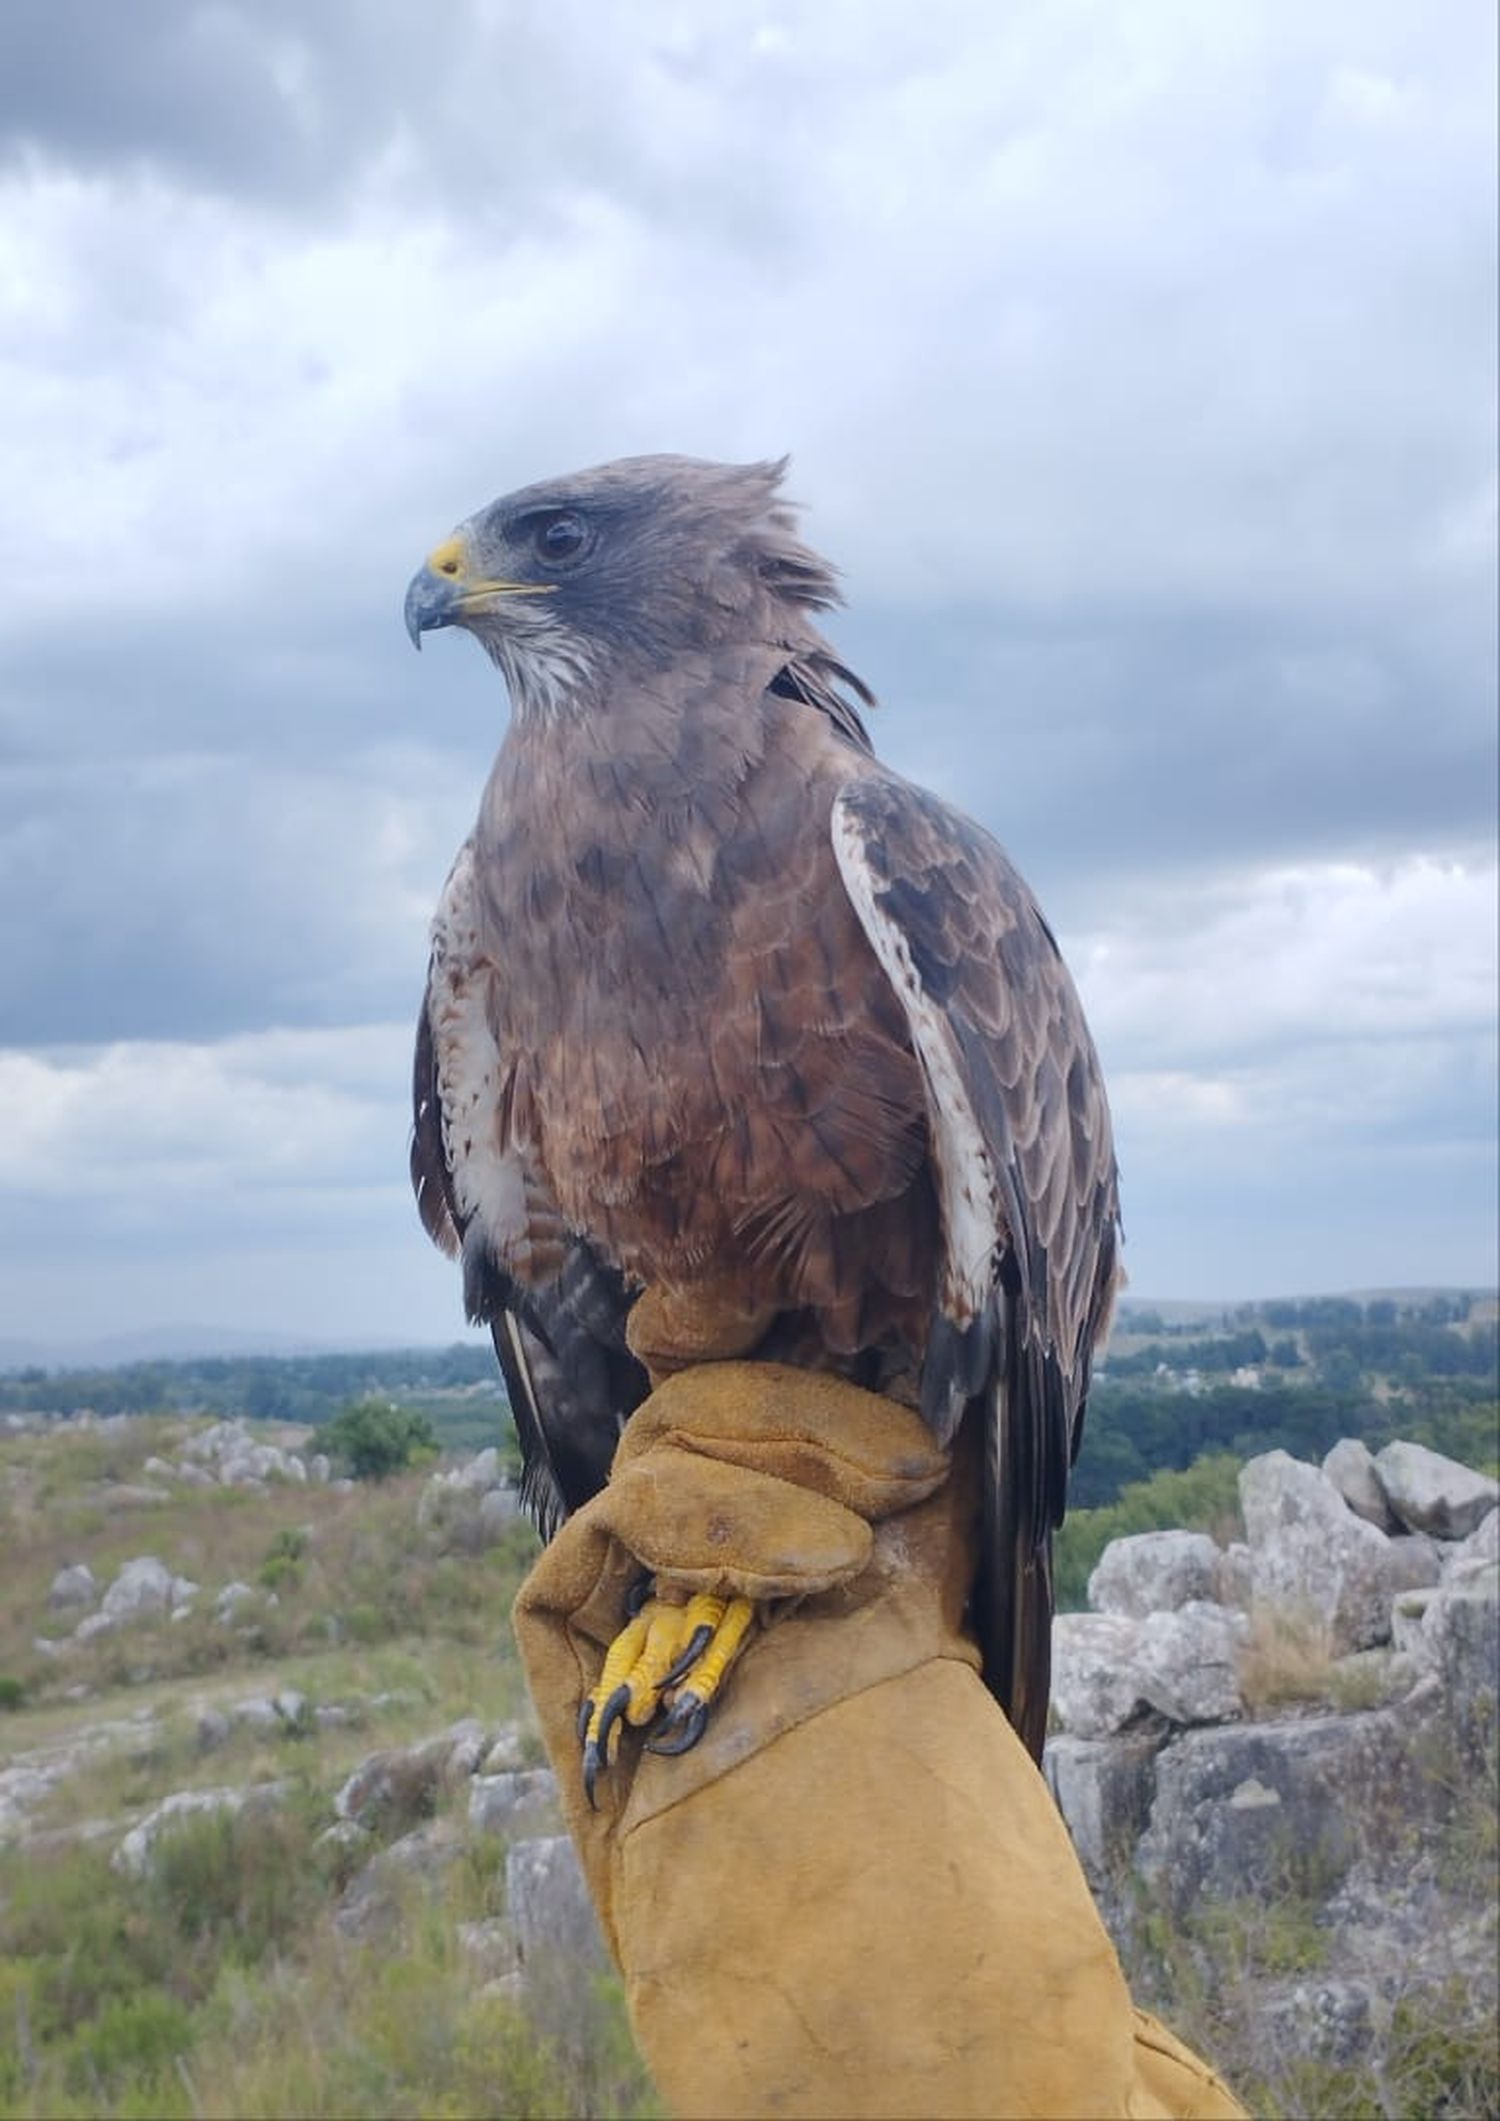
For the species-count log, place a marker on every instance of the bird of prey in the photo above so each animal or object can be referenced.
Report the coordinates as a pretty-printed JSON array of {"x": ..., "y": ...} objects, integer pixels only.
[{"x": 720, "y": 1005}]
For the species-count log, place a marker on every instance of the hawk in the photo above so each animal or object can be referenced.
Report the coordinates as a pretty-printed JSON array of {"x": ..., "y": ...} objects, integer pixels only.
[{"x": 720, "y": 1006}]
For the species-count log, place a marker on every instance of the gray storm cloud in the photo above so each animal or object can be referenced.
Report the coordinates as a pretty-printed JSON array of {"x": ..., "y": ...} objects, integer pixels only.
[{"x": 1137, "y": 369}]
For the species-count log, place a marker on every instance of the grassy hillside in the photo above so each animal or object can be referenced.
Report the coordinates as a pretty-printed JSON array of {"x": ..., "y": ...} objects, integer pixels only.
[{"x": 219, "y": 1984}]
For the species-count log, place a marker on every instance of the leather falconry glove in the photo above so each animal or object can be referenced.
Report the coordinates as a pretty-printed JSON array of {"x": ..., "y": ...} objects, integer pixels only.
[{"x": 855, "y": 1895}]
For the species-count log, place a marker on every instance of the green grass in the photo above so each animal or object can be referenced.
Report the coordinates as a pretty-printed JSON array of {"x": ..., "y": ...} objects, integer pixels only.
[
  {"x": 1204, "y": 1498},
  {"x": 219, "y": 1985}
]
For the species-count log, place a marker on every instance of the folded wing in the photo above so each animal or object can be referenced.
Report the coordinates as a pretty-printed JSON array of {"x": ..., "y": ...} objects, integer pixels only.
[{"x": 1024, "y": 1157}]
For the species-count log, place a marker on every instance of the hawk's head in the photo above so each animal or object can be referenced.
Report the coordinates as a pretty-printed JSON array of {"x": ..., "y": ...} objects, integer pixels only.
[{"x": 631, "y": 563}]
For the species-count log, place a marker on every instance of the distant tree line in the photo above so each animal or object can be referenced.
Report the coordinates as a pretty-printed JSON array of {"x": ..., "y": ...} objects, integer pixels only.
[
  {"x": 1328, "y": 1367},
  {"x": 300, "y": 1388},
  {"x": 1342, "y": 1342},
  {"x": 1443, "y": 1307},
  {"x": 1135, "y": 1429}
]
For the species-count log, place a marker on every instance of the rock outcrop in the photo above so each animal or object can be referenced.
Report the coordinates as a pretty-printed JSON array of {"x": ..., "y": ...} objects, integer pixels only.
[
  {"x": 468, "y": 1508},
  {"x": 1155, "y": 1572},
  {"x": 1324, "y": 1833},
  {"x": 1430, "y": 1493}
]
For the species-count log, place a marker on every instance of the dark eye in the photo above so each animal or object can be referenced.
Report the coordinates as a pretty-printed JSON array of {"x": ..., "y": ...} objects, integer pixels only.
[{"x": 559, "y": 538}]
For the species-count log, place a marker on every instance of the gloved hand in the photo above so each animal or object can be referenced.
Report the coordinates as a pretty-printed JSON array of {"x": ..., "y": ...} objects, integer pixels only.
[{"x": 855, "y": 1896}]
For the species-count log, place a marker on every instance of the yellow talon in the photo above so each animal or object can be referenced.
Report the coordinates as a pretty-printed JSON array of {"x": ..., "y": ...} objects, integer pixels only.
[
  {"x": 671, "y": 1654},
  {"x": 669, "y": 1631},
  {"x": 621, "y": 1660},
  {"x": 692, "y": 1700},
  {"x": 732, "y": 1621}
]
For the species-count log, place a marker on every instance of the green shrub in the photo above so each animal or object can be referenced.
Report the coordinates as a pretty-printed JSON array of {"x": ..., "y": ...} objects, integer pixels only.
[
  {"x": 242, "y": 1882},
  {"x": 137, "y": 2038},
  {"x": 375, "y": 1438},
  {"x": 12, "y": 1691},
  {"x": 1441, "y": 2058},
  {"x": 1203, "y": 1498}
]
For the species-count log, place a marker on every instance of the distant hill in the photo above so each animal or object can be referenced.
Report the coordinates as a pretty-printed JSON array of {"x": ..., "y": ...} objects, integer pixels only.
[
  {"x": 1177, "y": 1382},
  {"x": 169, "y": 1343}
]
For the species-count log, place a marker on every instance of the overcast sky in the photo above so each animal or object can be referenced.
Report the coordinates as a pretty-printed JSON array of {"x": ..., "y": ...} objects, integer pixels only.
[{"x": 1136, "y": 360}]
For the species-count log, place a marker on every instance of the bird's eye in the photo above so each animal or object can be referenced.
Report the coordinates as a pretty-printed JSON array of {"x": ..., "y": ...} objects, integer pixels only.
[{"x": 559, "y": 538}]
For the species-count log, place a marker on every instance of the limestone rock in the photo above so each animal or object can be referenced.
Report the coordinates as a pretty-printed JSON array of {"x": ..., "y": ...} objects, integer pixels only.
[
  {"x": 1189, "y": 1662},
  {"x": 1094, "y": 1686},
  {"x": 403, "y": 1781},
  {"x": 521, "y": 1801},
  {"x": 1312, "y": 1557},
  {"x": 482, "y": 1472},
  {"x": 1328, "y": 2021},
  {"x": 550, "y": 1907},
  {"x": 1109, "y": 1671},
  {"x": 1154, "y": 1572},
  {"x": 468, "y": 1508},
  {"x": 1252, "y": 1810},
  {"x": 346, "y": 1837},
  {"x": 490, "y": 1948},
  {"x": 212, "y": 1730},
  {"x": 1415, "y": 1561},
  {"x": 1351, "y": 1468},
  {"x": 239, "y": 1460},
  {"x": 1466, "y": 1556},
  {"x": 137, "y": 1851},
  {"x": 1461, "y": 1638},
  {"x": 1103, "y": 1788},
  {"x": 506, "y": 1752},
  {"x": 414, "y": 1866},
  {"x": 73, "y": 1587},
  {"x": 1236, "y": 1584},
  {"x": 1408, "y": 1612},
  {"x": 141, "y": 1591},
  {"x": 1434, "y": 1494}
]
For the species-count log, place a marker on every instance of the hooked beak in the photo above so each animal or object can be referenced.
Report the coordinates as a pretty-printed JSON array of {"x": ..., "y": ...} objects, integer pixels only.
[
  {"x": 435, "y": 588},
  {"x": 445, "y": 591}
]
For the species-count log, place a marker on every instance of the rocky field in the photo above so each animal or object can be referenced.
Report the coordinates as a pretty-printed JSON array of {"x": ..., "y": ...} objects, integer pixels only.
[
  {"x": 1277, "y": 1757},
  {"x": 275, "y": 1835}
]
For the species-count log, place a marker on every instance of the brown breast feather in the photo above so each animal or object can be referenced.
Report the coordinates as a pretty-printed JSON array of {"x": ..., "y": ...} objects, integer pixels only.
[{"x": 716, "y": 1069}]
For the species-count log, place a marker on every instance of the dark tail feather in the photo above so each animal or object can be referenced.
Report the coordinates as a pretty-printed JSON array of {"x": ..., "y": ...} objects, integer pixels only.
[{"x": 1012, "y": 1606}]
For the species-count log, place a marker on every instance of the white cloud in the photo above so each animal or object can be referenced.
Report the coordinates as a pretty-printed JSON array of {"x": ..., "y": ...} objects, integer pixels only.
[
  {"x": 1307, "y": 956},
  {"x": 192, "y": 892},
  {"x": 153, "y": 1124}
]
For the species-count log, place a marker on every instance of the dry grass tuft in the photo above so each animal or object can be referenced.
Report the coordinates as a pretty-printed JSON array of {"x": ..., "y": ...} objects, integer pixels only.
[{"x": 1288, "y": 1659}]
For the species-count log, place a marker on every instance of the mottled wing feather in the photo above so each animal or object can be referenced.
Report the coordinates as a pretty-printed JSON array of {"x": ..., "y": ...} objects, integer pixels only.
[
  {"x": 431, "y": 1180},
  {"x": 555, "y": 1312},
  {"x": 1026, "y": 1181}
]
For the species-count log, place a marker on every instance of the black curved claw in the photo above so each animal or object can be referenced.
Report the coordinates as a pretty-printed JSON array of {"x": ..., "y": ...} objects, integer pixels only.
[
  {"x": 585, "y": 1716},
  {"x": 699, "y": 1641},
  {"x": 683, "y": 1728},
  {"x": 596, "y": 1749},
  {"x": 637, "y": 1595},
  {"x": 614, "y": 1709}
]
